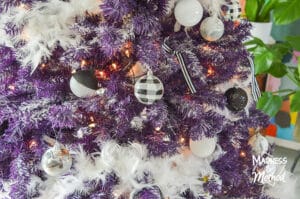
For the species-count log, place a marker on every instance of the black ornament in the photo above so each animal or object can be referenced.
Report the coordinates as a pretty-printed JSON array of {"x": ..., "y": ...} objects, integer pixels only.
[
  {"x": 86, "y": 78},
  {"x": 84, "y": 83},
  {"x": 3, "y": 127},
  {"x": 237, "y": 99}
]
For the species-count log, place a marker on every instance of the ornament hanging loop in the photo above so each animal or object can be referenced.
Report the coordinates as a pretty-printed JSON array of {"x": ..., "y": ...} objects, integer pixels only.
[{"x": 183, "y": 67}]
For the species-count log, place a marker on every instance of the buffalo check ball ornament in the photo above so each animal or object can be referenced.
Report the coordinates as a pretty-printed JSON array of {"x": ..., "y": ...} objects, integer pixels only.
[
  {"x": 232, "y": 10},
  {"x": 148, "y": 89}
]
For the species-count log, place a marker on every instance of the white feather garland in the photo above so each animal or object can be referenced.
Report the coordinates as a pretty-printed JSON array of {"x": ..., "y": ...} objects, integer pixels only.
[
  {"x": 173, "y": 175},
  {"x": 286, "y": 189},
  {"x": 44, "y": 26}
]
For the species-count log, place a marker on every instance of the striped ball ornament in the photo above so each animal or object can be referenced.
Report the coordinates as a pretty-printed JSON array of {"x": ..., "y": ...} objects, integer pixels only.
[{"x": 148, "y": 89}]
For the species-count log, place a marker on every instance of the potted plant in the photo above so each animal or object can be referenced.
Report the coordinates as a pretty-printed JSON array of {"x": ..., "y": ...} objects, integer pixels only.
[
  {"x": 258, "y": 12},
  {"x": 269, "y": 60}
]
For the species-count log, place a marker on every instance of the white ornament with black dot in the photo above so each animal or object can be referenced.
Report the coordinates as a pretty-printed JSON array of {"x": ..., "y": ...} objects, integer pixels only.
[
  {"x": 188, "y": 12},
  {"x": 148, "y": 89},
  {"x": 212, "y": 28},
  {"x": 56, "y": 161},
  {"x": 84, "y": 84}
]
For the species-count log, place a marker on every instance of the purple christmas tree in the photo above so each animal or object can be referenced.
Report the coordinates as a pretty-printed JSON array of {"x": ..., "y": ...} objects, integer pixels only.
[{"x": 142, "y": 99}]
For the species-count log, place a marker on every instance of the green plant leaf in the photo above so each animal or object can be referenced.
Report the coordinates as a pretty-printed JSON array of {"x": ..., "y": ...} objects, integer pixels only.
[
  {"x": 295, "y": 102},
  {"x": 281, "y": 49},
  {"x": 254, "y": 41},
  {"x": 263, "y": 59},
  {"x": 251, "y": 9},
  {"x": 278, "y": 69},
  {"x": 265, "y": 12},
  {"x": 287, "y": 12},
  {"x": 298, "y": 59},
  {"x": 294, "y": 41},
  {"x": 269, "y": 103}
]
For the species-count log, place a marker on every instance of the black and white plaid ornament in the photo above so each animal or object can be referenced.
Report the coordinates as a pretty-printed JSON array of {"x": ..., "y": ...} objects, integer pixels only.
[
  {"x": 232, "y": 10},
  {"x": 148, "y": 89}
]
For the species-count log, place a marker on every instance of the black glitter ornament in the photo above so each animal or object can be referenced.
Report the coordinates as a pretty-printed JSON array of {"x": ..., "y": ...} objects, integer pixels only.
[{"x": 237, "y": 99}]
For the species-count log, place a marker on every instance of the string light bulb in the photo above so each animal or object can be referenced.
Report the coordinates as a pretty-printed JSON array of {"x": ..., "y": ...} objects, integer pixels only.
[
  {"x": 23, "y": 6},
  {"x": 127, "y": 53},
  {"x": 243, "y": 154},
  {"x": 206, "y": 48},
  {"x": 114, "y": 66},
  {"x": 182, "y": 140},
  {"x": 92, "y": 124},
  {"x": 210, "y": 71},
  {"x": 158, "y": 128},
  {"x": 32, "y": 144},
  {"x": 73, "y": 71},
  {"x": 11, "y": 87},
  {"x": 83, "y": 63},
  {"x": 100, "y": 74},
  {"x": 43, "y": 65}
]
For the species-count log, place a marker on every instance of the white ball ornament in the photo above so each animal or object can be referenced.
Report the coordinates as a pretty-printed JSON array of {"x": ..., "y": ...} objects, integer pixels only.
[
  {"x": 259, "y": 143},
  {"x": 188, "y": 12},
  {"x": 212, "y": 28},
  {"x": 203, "y": 147},
  {"x": 148, "y": 89},
  {"x": 56, "y": 161},
  {"x": 84, "y": 84}
]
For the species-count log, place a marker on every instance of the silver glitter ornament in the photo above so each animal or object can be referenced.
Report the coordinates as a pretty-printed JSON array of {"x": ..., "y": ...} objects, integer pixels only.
[{"x": 212, "y": 29}]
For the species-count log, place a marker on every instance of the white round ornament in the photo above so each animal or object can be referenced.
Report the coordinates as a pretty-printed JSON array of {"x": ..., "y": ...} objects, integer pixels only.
[
  {"x": 232, "y": 10},
  {"x": 56, "y": 161},
  {"x": 259, "y": 143},
  {"x": 84, "y": 84},
  {"x": 188, "y": 12},
  {"x": 203, "y": 147},
  {"x": 148, "y": 89},
  {"x": 212, "y": 28}
]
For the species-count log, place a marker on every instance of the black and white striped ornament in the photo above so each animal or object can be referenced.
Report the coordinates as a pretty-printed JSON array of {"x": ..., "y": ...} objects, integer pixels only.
[
  {"x": 84, "y": 83},
  {"x": 148, "y": 89},
  {"x": 232, "y": 10}
]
